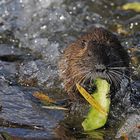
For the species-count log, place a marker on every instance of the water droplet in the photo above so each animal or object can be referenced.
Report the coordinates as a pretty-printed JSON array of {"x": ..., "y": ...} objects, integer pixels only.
[
  {"x": 62, "y": 17},
  {"x": 6, "y": 13},
  {"x": 118, "y": 17},
  {"x": 74, "y": 8},
  {"x": 87, "y": 17},
  {"x": 126, "y": 43},
  {"x": 43, "y": 27},
  {"x": 70, "y": 12},
  {"x": 112, "y": 4},
  {"x": 21, "y": 1},
  {"x": 106, "y": 6},
  {"x": 136, "y": 23},
  {"x": 131, "y": 25}
]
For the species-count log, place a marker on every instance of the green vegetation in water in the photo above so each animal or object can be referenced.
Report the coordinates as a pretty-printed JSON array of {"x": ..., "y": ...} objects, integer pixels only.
[
  {"x": 135, "y": 6},
  {"x": 94, "y": 118}
]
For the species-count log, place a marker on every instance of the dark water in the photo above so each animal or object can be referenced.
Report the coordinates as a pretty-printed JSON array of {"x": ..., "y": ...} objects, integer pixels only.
[{"x": 33, "y": 33}]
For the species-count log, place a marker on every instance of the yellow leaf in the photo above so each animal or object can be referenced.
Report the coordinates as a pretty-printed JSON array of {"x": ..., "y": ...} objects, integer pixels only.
[
  {"x": 91, "y": 100},
  {"x": 41, "y": 96},
  {"x": 135, "y": 6}
]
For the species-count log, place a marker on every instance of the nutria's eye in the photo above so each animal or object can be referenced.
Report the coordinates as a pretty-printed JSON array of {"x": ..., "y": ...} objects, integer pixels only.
[{"x": 84, "y": 43}]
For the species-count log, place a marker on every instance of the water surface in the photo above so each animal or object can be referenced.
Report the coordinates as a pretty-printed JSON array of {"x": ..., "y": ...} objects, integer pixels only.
[{"x": 33, "y": 34}]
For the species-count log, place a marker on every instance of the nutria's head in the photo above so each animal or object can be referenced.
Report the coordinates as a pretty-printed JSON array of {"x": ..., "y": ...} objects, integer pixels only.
[{"x": 95, "y": 54}]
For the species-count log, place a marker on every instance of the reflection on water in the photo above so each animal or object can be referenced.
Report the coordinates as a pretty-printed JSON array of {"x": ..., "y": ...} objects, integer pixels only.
[{"x": 33, "y": 34}]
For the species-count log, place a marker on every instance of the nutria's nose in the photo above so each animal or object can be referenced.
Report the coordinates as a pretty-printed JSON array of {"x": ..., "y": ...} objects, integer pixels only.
[{"x": 100, "y": 68}]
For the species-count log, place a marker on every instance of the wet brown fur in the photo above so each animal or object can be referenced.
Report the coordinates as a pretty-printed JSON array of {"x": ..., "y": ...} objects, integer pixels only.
[{"x": 75, "y": 61}]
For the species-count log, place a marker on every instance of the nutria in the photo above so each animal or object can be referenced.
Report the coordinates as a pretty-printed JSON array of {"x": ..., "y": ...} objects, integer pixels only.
[{"x": 97, "y": 53}]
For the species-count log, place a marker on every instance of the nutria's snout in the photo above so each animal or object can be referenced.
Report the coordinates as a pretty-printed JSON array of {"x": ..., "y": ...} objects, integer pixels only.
[{"x": 96, "y": 54}]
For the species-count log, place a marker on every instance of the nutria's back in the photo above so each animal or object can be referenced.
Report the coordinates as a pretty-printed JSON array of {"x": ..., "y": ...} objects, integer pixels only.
[{"x": 96, "y": 54}]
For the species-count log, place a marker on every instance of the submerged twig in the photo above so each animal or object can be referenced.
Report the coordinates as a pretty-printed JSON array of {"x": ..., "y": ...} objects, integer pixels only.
[
  {"x": 6, "y": 123},
  {"x": 55, "y": 107}
]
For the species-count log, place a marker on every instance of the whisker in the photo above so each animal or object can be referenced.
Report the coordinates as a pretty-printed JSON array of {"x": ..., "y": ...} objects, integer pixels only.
[
  {"x": 78, "y": 74},
  {"x": 120, "y": 70},
  {"x": 71, "y": 87},
  {"x": 87, "y": 76},
  {"x": 122, "y": 73},
  {"x": 77, "y": 80},
  {"x": 116, "y": 81},
  {"x": 116, "y": 62},
  {"x": 117, "y": 73},
  {"x": 74, "y": 76},
  {"x": 111, "y": 77},
  {"x": 84, "y": 78},
  {"x": 108, "y": 76},
  {"x": 115, "y": 78},
  {"x": 124, "y": 68},
  {"x": 91, "y": 78},
  {"x": 119, "y": 77}
]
